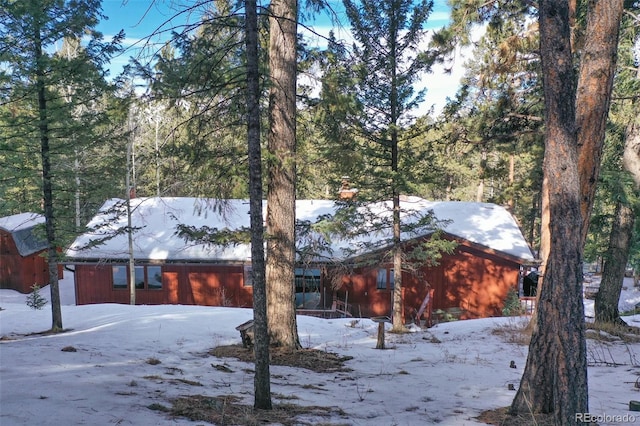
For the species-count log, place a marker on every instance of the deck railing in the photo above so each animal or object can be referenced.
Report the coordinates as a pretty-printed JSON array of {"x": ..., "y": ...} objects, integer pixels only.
[{"x": 339, "y": 309}]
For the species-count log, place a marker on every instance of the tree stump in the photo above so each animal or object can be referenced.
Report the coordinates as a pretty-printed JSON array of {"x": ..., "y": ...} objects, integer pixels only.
[{"x": 246, "y": 333}]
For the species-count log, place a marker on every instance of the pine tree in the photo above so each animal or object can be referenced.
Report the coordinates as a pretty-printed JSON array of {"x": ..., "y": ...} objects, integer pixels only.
[
  {"x": 196, "y": 85},
  {"x": 620, "y": 165},
  {"x": 281, "y": 170},
  {"x": 34, "y": 80},
  {"x": 35, "y": 300},
  {"x": 262, "y": 397},
  {"x": 388, "y": 60},
  {"x": 561, "y": 391}
]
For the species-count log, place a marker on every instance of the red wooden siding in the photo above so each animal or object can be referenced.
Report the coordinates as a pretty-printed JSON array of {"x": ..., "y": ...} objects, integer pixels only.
[
  {"x": 361, "y": 293},
  {"x": 210, "y": 285},
  {"x": 477, "y": 282},
  {"x": 21, "y": 273},
  {"x": 470, "y": 279}
]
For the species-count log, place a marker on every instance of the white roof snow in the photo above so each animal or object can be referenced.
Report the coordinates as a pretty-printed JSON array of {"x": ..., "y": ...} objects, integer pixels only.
[
  {"x": 20, "y": 226},
  {"x": 20, "y": 221},
  {"x": 156, "y": 222}
]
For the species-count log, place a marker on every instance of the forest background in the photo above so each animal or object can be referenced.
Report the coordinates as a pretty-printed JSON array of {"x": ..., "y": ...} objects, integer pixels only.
[
  {"x": 174, "y": 123},
  {"x": 177, "y": 106}
]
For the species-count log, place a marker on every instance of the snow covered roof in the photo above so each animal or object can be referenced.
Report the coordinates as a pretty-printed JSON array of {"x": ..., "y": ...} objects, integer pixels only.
[
  {"x": 21, "y": 226},
  {"x": 157, "y": 220}
]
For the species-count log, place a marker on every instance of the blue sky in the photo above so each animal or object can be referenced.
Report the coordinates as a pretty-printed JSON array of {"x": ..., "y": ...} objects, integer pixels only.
[{"x": 140, "y": 18}]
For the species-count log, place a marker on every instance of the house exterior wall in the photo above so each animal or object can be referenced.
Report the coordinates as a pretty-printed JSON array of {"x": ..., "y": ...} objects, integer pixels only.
[
  {"x": 474, "y": 281},
  {"x": 21, "y": 273},
  {"x": 477, "y": 282},
  {"x": 184, "y": 284}
]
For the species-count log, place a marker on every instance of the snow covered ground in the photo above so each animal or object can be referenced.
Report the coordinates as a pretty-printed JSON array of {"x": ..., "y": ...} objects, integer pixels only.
[{"x": 446, "y": 375}]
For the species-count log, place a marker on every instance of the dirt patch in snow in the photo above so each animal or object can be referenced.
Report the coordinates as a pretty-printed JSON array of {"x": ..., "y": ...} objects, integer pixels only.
[
  {"x": 310, "y": 359},
  {"x": 232, "y": 409}
]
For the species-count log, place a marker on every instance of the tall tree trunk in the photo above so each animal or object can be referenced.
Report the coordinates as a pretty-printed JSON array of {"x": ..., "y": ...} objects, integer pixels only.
[
  {"x": 132, "y": 259},
  {"x": 281, "y": 197},
  {"x": 631, "y": 155},
  {"x": 262, "y": 381},
  {"x": 593, "y": 97},
  {"x": 482, "y": 172},
  {"x": 47, "y": 186},
  {"x": 595, "y": 84},
  {"x": 555, "y": 375},
  {"x": 598, "y": 65},
  {"x": 77, "y": 193},
  {"x": 616, "y": 257},
  {"x": 512, "y": 179},
  {"x": 398, "y": 302},
  {"x": 606, "y": 303},
  {"x": 545, "y": 241}
]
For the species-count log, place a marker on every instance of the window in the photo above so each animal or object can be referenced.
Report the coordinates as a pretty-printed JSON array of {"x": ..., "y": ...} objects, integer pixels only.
[
  {"x": 307, "y": 288},
  {"x": 381, "y": 281},
  {"x": 145, "y": 278},
  {"x": 385, "y": 279},
  {"x": 154, "y": 277},
  {"x": 307, "y": 280},
  {"x": 248, "y": 276},
  {"x": 139, "y": 279},
  {"x": 119, "y": 274}
]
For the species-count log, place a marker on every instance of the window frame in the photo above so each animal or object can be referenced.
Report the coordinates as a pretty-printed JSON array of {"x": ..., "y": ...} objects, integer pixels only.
[
  {"x": 248, "y": 276},
  {"x": 141, "y": 277},
  {"x": 148, "y": 280},
  {"x": 385, "y": 280},
  {"x": 116, "y": 269}
]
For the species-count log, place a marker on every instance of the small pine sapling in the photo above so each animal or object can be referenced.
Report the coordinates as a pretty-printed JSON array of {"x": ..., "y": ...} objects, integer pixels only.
[
  {"x": 512, "y": 306},
  {"x": 34, "y": 299}
]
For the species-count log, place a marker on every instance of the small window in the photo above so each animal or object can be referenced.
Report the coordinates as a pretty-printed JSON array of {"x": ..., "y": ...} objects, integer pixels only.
[
  {"x": 248, "y": 276},
  {"x": 385, "y": 279},
  {"x": 119, "y": 274},
  {"x": 381, "y": 282},
  {"x": 154, "y": 277},
  {"x": 139, "y": 277}
]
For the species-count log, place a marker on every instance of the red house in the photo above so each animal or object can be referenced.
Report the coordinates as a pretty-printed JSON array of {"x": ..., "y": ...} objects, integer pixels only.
[
  {"x": 23, "y": 250},
  {"x": 171, "y": 269}
]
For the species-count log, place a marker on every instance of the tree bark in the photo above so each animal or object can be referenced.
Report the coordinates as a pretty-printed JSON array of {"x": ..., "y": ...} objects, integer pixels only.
[
  {"x": 280, "y": 268},
  {"x": 132, "y": 260},
  {"x": 616, "y": 257},
  {"x": 47, "y": 184},
  {"x": 631, "y": 155},
  {"x": 262, "y": 380},
  {"x": 555, "y": 375},
  {"x": 593, "y": 97},
  {"x": 398, "y": 302}
]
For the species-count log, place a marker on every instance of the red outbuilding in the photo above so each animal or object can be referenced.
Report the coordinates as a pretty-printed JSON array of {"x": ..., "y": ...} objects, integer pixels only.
[{"x": 23, "y": 250}]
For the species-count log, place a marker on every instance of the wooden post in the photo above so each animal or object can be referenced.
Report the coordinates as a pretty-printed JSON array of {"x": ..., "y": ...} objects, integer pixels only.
[
  {"x": 346, "y": 299},
  {"x": 380, "y": 343},
  {"x": 380, "y": 321}
]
